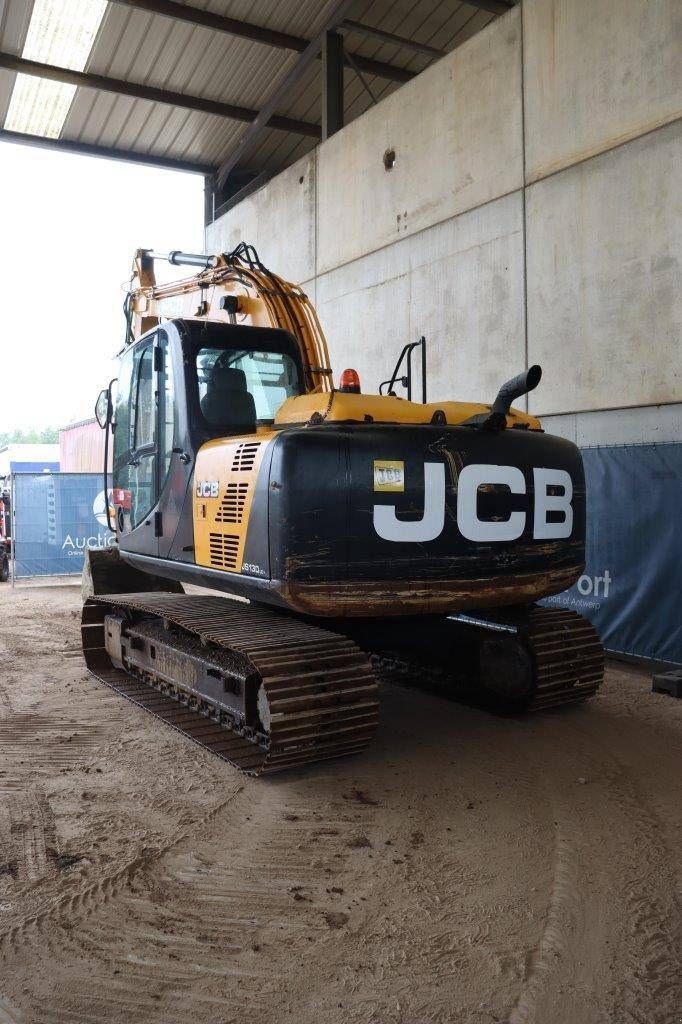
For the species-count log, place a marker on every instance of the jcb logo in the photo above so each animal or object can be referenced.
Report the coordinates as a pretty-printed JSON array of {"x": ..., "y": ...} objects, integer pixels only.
[
  {"x": 207, "y": 488},
  {"x": 430, "y": 526}
]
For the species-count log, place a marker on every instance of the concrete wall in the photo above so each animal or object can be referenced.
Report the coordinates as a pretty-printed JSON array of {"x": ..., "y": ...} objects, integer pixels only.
[
  {"x": 646, "y": 424},
  {"x": 597, "y": 73},
  {"x": 279, "y": 220},
  {"x": 604, "y": 277},
  {"x": 438, "y": 173},
  {"x": 460, "y": 283},
  {"x": 532, "y": 214}
]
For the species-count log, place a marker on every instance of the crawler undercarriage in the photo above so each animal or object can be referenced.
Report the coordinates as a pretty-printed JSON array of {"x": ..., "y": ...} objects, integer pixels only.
[{"x": 268, "y": 691}]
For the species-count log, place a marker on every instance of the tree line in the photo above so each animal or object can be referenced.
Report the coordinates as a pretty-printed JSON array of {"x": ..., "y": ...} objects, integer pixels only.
[{"x": 48, "y": 435}]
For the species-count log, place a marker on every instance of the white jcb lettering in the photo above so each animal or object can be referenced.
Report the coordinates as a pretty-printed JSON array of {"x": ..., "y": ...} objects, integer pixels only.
[
  {"x": 471, "y": 479},
  {"x": 430, "y": 526},
  {"x": 543, "y": 479},
  {"x": 473, "y": 528},
  {"x": 207, "y": 489}
]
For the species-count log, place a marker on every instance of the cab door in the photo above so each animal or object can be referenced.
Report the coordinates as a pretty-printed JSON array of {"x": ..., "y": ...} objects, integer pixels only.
[
  {"x": 175, "y": 452},
  {"x": 136, "y": 458}
]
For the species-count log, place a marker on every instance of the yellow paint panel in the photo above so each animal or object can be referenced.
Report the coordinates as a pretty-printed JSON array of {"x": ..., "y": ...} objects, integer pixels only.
[
  {"x": 342, "y": 407},
  {"x": 221, "y": 522}
]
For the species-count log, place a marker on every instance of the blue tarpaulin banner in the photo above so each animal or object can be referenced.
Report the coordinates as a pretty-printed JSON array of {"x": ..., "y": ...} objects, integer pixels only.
[
  {"x": 631, "y": 589},
  {"x": 56, "y": 517}
]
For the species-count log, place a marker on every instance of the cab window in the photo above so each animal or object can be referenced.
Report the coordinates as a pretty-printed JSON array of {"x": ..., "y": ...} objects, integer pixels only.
[
  {"x": 240, "y": 388},
  {"x": 143, "y": 399}
]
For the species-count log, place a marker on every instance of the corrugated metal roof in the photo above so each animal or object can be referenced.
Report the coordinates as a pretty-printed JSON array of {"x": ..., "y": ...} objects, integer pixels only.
[
  {"x": 14, "y": 18},
  {"x": 159, "y": 51}
]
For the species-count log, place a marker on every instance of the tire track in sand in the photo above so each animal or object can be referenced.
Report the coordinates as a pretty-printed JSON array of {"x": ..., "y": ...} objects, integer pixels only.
[
  {"x": 32, "y": 836},
  {"x": 208, "y": 934},
  {"x": 653, "y": 913},
  {"x": 88, "y": 899},
  {"x": 638, "y": 908},
  {"x": 541, "y": 963}
]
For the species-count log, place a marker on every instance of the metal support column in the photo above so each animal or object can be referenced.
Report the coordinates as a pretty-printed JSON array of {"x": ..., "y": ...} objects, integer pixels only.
[
  {"x": 209, "y": 199},
  {"x": 332, "y": 83}
]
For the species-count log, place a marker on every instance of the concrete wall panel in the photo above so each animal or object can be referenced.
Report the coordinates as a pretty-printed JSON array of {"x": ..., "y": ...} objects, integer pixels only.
[
  {"x": 466, "y": 297},
  {"x": 605, "y": 278},
  {"x": 459, "y": 283},
  {"x": 597, "y": 73},
  {"x": 456, "y": 133},
  {"x": 435, "y": 246},
  {"x": 360, "y": 325},
  {"x": 651, "y": 424},
  {"x": 279, "y": 220}
]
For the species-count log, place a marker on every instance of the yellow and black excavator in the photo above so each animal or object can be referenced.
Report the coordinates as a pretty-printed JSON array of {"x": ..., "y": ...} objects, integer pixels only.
[{"x": 354, "y": 533}]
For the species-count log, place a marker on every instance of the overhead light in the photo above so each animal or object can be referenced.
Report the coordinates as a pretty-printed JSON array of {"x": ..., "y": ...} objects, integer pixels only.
[{"x": 60, "y": 32}]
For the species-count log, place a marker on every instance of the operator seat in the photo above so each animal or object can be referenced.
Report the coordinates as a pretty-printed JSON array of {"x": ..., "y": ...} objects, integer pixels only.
[{"x": 227, "y": 403}]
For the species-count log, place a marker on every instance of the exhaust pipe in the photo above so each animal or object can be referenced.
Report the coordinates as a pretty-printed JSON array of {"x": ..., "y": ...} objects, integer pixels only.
[
  {"x": 508, "y": 393},
  {"x": 515, "y": 388}
]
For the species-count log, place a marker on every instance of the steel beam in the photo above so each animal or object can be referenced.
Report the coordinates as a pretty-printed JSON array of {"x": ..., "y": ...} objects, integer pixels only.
[
  {"x": 105, "y": 152},
  {"x": 492, "y": 6},
  {"x": 147, "y": 92},
  {"x": 256, "y": 33},
  {"x": 390, "y": 37},
  {"x": 247, "y": 190},
  {"x": 332, "y": 83},
  {"x": 255, "y": 131}
]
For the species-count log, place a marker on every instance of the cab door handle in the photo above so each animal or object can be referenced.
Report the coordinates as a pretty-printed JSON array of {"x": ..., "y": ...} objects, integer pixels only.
[{"x": 183, "y": 456}]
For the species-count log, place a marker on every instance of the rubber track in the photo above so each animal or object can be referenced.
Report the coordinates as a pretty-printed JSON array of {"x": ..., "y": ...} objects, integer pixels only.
[
  {"x": 567, "y": 657},
  {"x": 322, "y": 696}
]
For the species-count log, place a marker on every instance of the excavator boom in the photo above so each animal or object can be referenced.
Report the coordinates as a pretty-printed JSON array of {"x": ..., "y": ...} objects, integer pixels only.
[{"x": 230, "y": 288}]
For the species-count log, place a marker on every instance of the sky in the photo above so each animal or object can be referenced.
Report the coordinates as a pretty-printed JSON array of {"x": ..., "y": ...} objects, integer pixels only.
[{"x": 69, "y": 227}]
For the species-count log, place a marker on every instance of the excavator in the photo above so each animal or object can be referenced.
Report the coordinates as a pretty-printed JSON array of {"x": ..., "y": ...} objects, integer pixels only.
[{"x": 339, "y": 534}]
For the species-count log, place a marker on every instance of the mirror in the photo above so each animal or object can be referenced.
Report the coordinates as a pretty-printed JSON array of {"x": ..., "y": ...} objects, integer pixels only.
[{"x": 103, "y": 408}]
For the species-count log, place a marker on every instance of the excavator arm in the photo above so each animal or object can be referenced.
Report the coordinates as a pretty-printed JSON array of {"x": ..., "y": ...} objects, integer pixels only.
[{"x": 232, "y": 287}]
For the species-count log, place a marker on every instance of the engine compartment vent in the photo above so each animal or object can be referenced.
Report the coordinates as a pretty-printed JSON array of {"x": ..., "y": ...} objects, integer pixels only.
[
  {"x": 224, "y": 550},
  {"x": 232, "y": 506},
  {"x": 245, "y": 456}
]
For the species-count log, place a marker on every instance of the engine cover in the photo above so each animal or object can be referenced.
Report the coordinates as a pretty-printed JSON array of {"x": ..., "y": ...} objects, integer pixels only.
[{"x": 391, "y": 519}]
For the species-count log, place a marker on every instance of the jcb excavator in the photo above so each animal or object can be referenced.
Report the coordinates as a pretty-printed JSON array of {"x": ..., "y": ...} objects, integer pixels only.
[{"x": 364, "y": 531}]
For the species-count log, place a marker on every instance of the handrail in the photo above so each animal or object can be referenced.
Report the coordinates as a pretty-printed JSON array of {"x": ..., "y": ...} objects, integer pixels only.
[{"x": 406, "y": 381}]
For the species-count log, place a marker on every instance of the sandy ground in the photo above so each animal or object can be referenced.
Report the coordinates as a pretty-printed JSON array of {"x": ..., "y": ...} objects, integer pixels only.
[{"x": 466, "y": 869}]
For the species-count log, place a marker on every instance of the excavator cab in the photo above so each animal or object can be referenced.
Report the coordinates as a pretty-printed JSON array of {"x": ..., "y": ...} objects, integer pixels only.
[{"x": 178, "y": 387}]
